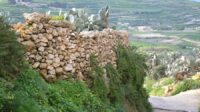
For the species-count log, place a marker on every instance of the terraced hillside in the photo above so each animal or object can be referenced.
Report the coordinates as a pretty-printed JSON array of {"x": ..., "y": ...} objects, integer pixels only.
[{"x": 158, "y": 14}]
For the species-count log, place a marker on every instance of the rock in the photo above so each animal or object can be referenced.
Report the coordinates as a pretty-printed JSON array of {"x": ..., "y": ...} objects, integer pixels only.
[
  {"x": 52, "y": 72},
  {"x": 62, "y": 47},
  {"x": 44, "y": 39},
  {"x": 49, "y": 30},
  {"x": 49, "y": 62},
  {"x": 50, "y": 67},
  {"x": 29, "y": 45},
  {"x": 56, "y": 64},
  {"x": 40, "y": 26},
  {"x": 68, "y": 67},
  {"x": 36, "y": 65},
  {"x": 43, "y": 66},
  {"x": 36, "y": 17},
  {"x": 55, "y": 33},
  {"x": 41, "y": 49},
  {"x": 59, "y": 70},
  {"x": 50, "y": 56},
  {"x": 50, "y": 37},
  {"x": 80, "y": 76},
  {"x": 43, "y": 72},
  {"x": 72, "y": 46},
  {"x": 50, "y": 78},
  {"x": 87, "y": 34},
  {"x": 56, "y": 60}
]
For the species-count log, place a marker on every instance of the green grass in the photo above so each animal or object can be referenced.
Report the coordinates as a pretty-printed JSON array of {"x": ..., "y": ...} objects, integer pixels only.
[
  {"x": 156, "y": 87},
  {"x": 186, "y": 85},
  {"x": 141, "y": 44},
  {"x": 145, "y": 46}
]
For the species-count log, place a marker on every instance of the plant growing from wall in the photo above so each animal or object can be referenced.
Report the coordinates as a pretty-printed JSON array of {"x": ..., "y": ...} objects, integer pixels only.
[{"x": 98, "y": 85}]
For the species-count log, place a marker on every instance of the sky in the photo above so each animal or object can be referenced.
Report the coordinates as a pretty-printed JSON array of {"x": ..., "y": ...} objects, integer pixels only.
[{"x": 197, "y": 0}]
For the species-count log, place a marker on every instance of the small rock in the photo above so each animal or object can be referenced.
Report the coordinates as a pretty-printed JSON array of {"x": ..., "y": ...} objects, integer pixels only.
[
  {"x": 56, "y": 60},
  {"x": 43, "y": 65},
  {"x": 44, "y": 39},
  {"x": 55, "y": 33},
  {"x": 36, "y": 65},
  {"x": 68, "y": 67},
  {"x": 29, "y": 45},
  {"x": 62, "y": 47},
  {"x": 72, "y": 46},
  {"x": 50, "y": 78},
  {"x": 50, "y": 56},
  {"x": 50, "y": 67},
  {"x": 52, "y": 72},
  {"x": 59, "y": 70},
  {"x": 50, "y": 37},
  {"x": 56, "y": 64},
  {"x": 43, "y": 72},
  {"x": 41, "y": 49}
]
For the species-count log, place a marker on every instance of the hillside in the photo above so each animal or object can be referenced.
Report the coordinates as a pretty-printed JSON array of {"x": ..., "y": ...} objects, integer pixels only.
[
  {"x": 158, "y": 14},
  {"x": 176, "y": 21}
]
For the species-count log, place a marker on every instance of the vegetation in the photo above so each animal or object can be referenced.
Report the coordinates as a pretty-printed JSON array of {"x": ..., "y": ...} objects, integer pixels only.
[
  {"x": 32, "y": 93},
  {"x": 186, "y": 85},
  {"x": 23, "y": 89},
  {"x": 132, "y": 68},
  {"x": 11, "y": 52},
  {"x": 123, "y": 83},
  {"x": 156, "y": 87}
]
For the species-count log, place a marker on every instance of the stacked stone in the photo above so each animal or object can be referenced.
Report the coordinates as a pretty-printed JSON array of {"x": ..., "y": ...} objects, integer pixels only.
[{"x": 55, "y": 49}]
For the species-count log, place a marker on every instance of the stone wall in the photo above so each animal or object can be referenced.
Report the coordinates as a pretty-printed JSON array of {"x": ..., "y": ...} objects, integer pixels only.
[{"x": 55, "y": 49}]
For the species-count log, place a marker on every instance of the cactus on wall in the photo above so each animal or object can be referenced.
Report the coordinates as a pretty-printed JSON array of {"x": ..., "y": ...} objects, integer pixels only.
[{"x": 85, "y": 22}]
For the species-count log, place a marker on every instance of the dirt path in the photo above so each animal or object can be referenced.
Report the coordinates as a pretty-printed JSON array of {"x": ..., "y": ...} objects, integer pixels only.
[{"x": 184, "y": 102}]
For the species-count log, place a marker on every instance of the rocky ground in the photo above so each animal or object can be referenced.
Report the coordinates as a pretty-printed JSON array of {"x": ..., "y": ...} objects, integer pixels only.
[{"x": 183, "y": 102}]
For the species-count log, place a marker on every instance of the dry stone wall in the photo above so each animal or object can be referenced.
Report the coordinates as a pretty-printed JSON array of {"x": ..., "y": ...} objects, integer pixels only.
[{"x": 55, "y": 49}]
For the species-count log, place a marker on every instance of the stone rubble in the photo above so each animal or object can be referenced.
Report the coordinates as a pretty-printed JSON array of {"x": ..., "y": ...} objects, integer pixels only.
[{"x": 55, "y": 49}]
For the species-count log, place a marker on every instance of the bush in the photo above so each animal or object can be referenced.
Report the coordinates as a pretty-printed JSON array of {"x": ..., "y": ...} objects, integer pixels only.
[
  {"x": 156, "y": 87},
  {"x": 132, "y": 68},
  {"x": 73, "y": 96},
  {"x": 123, "y": 83},
  {"x": 29, "y": 94},
  {"x": 186, "y": 85},
  {"x": 11, "y": 52},
  {"x": 32, "y": 94},
  {"x": 158, "y": 91},
  {"x": 5, "y": 94},
  {"x": 98, "y": 85}
]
